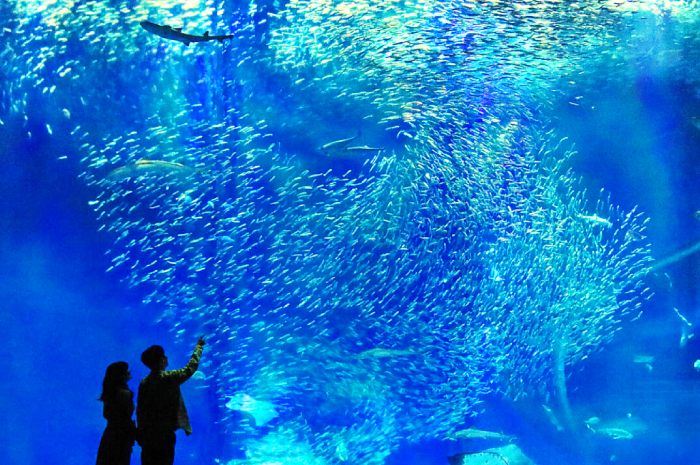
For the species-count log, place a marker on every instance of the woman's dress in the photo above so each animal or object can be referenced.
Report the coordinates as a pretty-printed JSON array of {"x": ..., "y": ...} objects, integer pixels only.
[{"x": 118, "y": 437}]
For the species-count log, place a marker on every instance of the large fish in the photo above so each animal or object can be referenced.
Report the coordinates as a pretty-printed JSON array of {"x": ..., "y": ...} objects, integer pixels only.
[
  {"x": 262, "y": 411},
  {"x": 337, "y": 144},
  {"x": 474, "y": 433},
  {"x": 623, "y": 428},
  {"x": 151, "y": 167},
  {"x": 170, "y": 33},
  {"x": 508, "y": 455}
]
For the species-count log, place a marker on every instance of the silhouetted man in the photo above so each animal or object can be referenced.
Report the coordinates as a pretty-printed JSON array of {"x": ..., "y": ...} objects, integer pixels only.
[{"x": 160, "y": 408}]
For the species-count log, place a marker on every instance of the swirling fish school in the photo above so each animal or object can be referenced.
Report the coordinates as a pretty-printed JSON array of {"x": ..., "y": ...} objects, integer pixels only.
[{"x": 358, "y": 304}]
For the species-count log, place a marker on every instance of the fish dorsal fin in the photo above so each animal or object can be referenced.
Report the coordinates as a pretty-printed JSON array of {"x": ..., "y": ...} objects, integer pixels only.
[
  {"x": 206, "y": 34},
  {"x": 178, "y": 29}
]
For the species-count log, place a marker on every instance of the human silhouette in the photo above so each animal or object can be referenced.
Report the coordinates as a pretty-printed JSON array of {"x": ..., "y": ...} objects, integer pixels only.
[
  {"x": 118, "y": 407},
  {"x": 160, "y": 407}
]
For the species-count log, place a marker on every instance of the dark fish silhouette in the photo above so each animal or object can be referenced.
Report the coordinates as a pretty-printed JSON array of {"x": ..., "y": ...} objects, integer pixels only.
[{"x": 170, "y": 33}]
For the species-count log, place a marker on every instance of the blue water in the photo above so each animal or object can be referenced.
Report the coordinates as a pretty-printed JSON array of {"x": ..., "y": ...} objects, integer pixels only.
[{"x": 382, "y": 299}]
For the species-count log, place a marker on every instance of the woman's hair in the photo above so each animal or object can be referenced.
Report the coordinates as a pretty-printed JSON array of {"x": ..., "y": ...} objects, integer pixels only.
[{"x": 115, "y": 378}]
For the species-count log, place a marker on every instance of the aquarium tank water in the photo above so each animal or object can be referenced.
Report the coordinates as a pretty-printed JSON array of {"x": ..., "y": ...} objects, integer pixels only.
[{"x": 420, "y": 232}]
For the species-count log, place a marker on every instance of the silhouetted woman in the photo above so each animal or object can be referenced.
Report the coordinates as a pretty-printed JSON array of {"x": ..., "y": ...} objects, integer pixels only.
[{"x": 118, "y": 437}]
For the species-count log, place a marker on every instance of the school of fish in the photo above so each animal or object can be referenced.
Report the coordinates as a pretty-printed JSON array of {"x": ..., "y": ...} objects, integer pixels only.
[{"x": 361, "y": 204}]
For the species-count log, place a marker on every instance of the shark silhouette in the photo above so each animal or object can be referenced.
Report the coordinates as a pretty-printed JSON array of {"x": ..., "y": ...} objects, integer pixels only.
[{"x": 170, "y": 33}]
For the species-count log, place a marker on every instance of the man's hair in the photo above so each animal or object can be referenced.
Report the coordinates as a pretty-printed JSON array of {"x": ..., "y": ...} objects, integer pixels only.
[{"x": 152, "y": 356}]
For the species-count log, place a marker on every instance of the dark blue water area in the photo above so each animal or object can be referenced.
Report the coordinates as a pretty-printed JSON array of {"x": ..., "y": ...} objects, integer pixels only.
[
  {"x": 638, "y": 140},
  {"x": 64, "y": 319}
]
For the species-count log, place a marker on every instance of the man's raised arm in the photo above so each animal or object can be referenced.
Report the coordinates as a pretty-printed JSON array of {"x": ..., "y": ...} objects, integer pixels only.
[{"x": 185, "y": 373}]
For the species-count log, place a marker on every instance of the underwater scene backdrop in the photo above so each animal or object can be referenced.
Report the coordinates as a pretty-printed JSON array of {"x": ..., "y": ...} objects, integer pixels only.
[{"x": 411, "y": 232}]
